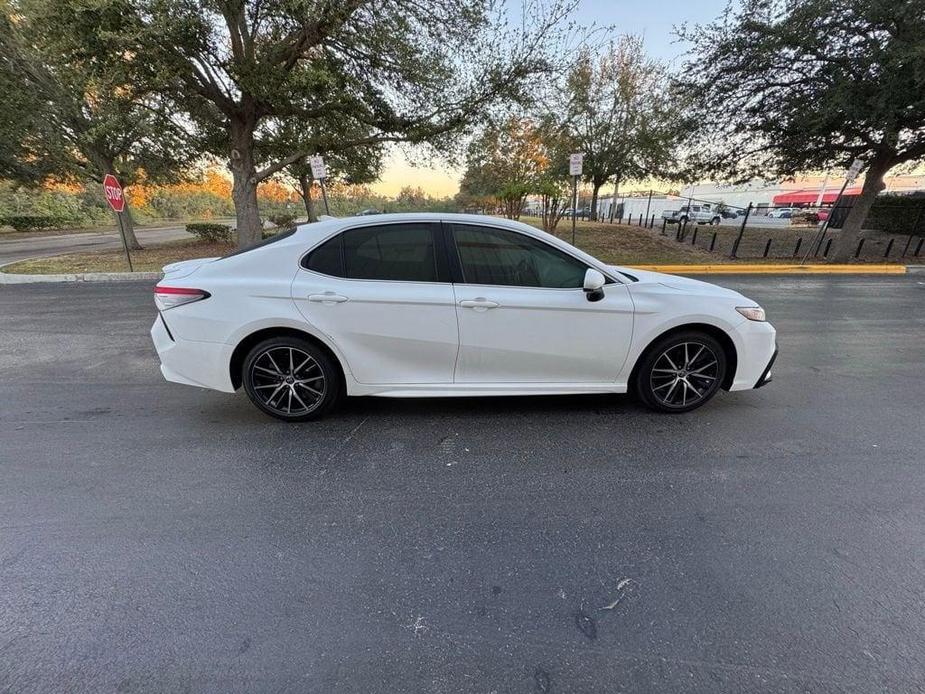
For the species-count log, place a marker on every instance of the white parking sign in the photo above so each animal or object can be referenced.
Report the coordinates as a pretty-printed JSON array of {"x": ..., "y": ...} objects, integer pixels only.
[
  {"x": 318, "y": 170},
  {"x": 575, "y": 162}
]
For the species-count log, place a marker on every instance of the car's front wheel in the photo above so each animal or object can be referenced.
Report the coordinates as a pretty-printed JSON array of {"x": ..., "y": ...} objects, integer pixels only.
[
  {"x": 681, "y": 372},
  {"x": 291, "y": 379}
]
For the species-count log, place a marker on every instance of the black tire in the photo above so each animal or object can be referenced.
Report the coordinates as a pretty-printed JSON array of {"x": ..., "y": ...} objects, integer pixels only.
[
  {"x": 658, "y": 376},
  {"x": 715, "y": 222},
  {"x": 291, "y": 379}
]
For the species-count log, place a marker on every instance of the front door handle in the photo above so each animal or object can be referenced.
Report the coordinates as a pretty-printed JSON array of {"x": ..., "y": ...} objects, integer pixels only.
[
  {"x": 327, "y": 298},
  {"x": 479, "y": 303}
]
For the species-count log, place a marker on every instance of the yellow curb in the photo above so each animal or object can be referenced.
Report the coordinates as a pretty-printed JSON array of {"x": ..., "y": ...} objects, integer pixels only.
[{"x": 767, "y": 269}]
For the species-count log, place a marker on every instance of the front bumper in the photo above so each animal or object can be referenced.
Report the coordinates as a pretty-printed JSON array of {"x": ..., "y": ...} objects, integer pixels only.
[{"x": 765, "y": 377}]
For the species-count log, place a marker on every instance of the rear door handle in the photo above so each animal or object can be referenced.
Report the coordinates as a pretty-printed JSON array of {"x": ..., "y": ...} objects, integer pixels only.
[
  {"x": 478, "y": 303},
  {"x": 327, "y": 298}
]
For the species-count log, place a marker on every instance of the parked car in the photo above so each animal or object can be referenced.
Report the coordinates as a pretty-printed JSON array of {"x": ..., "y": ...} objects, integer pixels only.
[
  {"x": 439, "y": 305},
  {"x": 782, "y": 212},
  {"x": 367, "y": 212},
  {"x": 697, "y": 214}
]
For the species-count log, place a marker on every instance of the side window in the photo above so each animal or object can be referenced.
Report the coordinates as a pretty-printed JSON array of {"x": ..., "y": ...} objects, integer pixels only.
[
  {"x": 328, "y": 258},
  {"x": 498, "y": 256},
  {"x": 397, "y": 252}
]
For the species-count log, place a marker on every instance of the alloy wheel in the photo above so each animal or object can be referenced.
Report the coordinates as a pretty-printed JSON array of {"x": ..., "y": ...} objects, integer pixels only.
[
  {"x": 684, "y": 374},
  {"x": 288, "y": 381}
]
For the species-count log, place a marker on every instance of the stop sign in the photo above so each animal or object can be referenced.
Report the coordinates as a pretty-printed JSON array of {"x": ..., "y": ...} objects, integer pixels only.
[{"x": 113, "y": 193}]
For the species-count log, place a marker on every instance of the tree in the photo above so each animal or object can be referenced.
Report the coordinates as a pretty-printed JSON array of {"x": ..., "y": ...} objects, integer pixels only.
[
  {"x": 408, "y": 71},
  {"x": 554, "y": 184},
  {"x": 350, "y": 165},
  {"x": 505, "y": 162},
  {"x": 619, "y": 114},
  {"x": 74, "y": 106},
  {"x": 785, "y": 86}
]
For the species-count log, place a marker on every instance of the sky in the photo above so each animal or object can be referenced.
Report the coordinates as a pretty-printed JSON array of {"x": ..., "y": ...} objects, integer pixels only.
[{"x": 653, "y": 19}]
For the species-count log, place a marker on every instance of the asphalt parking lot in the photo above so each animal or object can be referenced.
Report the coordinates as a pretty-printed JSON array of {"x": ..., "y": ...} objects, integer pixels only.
[{"x": 159, "y": 538}]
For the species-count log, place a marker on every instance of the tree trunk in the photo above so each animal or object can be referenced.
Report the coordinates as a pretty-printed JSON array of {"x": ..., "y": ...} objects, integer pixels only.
[
  {"x": 613, "y": 206},
  {"x": 595, "y": 187},
  {"x": 850, "y": 233},
  {"x": 244, "y": 185},
  {"x": 128, "y": 225},
  {"x": 305, "y": 186}
]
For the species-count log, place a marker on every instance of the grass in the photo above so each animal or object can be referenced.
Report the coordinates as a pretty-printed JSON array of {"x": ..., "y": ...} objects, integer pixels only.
[
  {"x": 626, "y": 245},
  {"x": 151, "y": 259}
]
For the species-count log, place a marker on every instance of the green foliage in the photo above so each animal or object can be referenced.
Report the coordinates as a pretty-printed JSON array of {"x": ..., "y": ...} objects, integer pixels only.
[
  {"x": 780, "y": 87},
  {"x": 166, "y": 203},
  {"x": 898, "y": 214},
  {"x": 283, "y": 221},
  {"x": 69, "y": 209},
  {"x": 210, "y": 232},
  {"x": 35, "y": 222},
  {"x": 74, "y": 107}
]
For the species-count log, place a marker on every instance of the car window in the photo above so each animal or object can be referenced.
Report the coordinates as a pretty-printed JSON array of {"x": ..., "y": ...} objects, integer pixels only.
[
  {"x": 397, "y": 252},
  {"x": 488, "y": 255}
]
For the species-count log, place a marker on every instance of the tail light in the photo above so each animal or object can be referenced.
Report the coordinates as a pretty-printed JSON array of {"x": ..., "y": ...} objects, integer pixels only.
[{"x": 170, "y": 297}]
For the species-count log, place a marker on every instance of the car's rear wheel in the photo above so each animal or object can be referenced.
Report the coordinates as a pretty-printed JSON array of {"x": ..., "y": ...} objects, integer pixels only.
[
  {"x": 681, "y": 372},
  {"x": 291, "y": 379}
]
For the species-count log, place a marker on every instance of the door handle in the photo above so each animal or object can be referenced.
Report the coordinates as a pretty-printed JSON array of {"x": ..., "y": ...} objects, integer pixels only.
[
  {"x": 327, "y": 298},
  {"x": 478, "y": 303}
]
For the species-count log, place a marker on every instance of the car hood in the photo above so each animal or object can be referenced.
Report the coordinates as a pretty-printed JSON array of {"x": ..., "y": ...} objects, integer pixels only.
[{"x": 683, "y": 284}]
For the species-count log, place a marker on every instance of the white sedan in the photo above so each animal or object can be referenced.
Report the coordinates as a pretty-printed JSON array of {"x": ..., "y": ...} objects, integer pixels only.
[{"x": 433, "y": 305}]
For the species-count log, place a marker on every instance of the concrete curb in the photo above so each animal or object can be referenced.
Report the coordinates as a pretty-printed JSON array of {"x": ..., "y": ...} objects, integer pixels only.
[
  {"x": 10, "y": 278},
  {"x": 768, "y": 269}
]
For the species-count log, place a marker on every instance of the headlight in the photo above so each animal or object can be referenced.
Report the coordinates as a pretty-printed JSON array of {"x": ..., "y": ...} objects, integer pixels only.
[{"x": 752, "y": 312}]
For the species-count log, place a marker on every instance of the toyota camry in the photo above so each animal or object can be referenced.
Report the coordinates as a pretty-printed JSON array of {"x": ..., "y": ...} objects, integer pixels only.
[{"x": 439, "y": 305}]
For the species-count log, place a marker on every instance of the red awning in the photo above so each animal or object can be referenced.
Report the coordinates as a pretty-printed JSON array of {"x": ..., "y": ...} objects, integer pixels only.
[{"x": 809, "y": 196}]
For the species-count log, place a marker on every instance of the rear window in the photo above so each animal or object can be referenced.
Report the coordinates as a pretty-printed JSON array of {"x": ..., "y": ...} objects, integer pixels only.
[
  {"x": 260, "y": 244},
  {"x": 398, "y": 252}
]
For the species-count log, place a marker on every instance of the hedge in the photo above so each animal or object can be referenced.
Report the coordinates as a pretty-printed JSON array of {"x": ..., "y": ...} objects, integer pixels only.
[
  {"x": 284, "y": 221},
  {"x": 205, "y": 231},
  {"x": 32, "y": 222}
]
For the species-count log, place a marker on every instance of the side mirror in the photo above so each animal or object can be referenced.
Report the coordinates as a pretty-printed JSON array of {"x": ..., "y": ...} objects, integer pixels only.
[{"x": 594, "y": 285}]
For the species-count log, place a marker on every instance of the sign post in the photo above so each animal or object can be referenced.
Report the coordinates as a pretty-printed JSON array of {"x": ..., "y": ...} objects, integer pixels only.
[
  {"x": 116, "y": 199},
  {"x": 851, "y": 174},
  {"x": 575, "y": 162},
  {"x": 319, "y": 173}
]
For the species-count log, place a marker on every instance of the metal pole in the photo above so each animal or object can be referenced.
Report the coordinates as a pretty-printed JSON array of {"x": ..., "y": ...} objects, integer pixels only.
[
  {"x": 735, "y": 246},
  {"x": 616, "y": 189},
  {"x": 324, "y": 194},
  {"x": 128, "y": 255},
  {"x": 574, "y": 205},
  {"x": 825, "y": 226},
  {"x": 649, "y": 203}
]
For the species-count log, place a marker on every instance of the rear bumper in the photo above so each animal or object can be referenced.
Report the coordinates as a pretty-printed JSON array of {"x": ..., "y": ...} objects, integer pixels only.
[
  {"x": 765, "y": 377},
  {"x": 190, "y": 362}
]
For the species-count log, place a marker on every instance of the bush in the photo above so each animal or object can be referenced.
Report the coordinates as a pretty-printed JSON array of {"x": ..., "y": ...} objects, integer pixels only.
[
  {"x": 22, "y": 222},
  {"x": 210, "y": 232},
  {"x": 283, "y": 221}
]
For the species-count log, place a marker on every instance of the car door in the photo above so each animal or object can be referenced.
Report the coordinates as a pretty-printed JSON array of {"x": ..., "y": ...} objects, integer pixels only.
[
  {"x": 382, "y": 294},
  {"x": 524, "y": 317}
]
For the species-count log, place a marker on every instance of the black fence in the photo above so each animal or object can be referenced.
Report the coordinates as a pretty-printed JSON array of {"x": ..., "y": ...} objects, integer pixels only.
[{"x": 894, "y": 229}]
